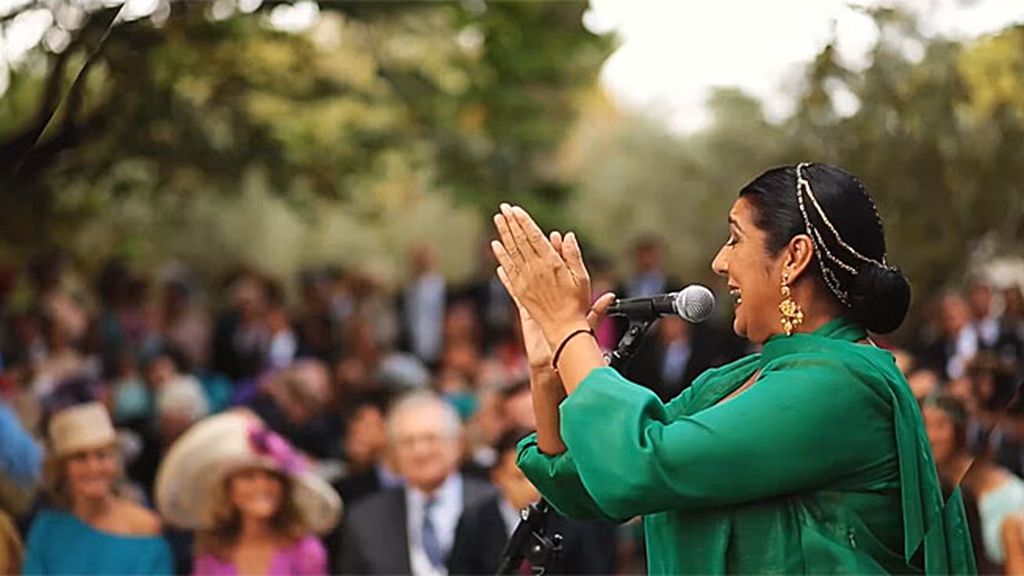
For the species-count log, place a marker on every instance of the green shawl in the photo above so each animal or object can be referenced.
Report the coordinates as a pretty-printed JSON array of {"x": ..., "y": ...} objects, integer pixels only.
[{"x": 822, "y": 466}]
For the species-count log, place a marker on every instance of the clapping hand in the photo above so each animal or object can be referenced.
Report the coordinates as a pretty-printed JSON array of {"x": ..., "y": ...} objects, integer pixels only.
[{"x": 547, "y": 279}]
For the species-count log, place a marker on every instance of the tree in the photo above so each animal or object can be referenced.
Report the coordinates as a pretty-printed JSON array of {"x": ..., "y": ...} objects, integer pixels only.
[
  {"x": 944, "y": 168},
  {"x": 939, "y": 143},
  {"x": 472, "y": 96}
]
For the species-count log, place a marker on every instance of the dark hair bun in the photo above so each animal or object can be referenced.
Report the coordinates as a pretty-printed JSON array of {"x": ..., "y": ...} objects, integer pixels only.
[{"x": 879, "y": 298}]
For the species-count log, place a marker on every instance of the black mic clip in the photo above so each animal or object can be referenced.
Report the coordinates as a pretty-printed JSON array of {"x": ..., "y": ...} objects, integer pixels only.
[
  {"x": 531, "y": 542},
  {"x": 542, "y": 551},
  {"x": 629, "y": 343}
]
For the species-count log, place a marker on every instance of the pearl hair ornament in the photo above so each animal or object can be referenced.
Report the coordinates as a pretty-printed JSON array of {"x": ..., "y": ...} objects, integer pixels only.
[{"x": 803, "y": 187}]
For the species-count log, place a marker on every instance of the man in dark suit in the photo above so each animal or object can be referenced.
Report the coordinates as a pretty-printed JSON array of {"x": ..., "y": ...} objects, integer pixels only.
[
  {"x": 495, "y": 311},
  {"x": 647, "y": 275},
  {"x": 367, "y": 470},
  {"x": 674, "y": 353},
  {"x": 421, "y": 308},
  {"x": 484, "y": 529},
  {"x": 240, "y": 337},
  {"x": 410, "y": 529}
]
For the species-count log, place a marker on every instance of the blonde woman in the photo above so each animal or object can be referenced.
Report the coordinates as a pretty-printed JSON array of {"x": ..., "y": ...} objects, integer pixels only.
[
  {"x": 254, "y": 506},
  {"x": 91, "y": 529}
]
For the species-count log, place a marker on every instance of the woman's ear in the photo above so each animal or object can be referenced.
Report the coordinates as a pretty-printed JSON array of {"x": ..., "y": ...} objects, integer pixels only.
[{"x": 799, "y": 253}]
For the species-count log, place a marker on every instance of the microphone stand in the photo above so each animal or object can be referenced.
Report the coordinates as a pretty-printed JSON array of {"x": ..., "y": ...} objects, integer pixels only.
[{"x": 529, "y": 541}]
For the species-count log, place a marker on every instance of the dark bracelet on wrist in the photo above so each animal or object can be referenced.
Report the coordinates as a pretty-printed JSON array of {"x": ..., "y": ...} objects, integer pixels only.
[{"x": 561, "y": 347}]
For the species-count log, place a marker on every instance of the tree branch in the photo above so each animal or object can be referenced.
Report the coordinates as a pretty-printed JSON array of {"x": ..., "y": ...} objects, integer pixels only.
[{"x": 20, "y": 145}]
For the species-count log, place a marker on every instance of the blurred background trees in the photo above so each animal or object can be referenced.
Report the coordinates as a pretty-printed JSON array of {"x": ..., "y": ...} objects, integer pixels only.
[
  {"x": 211, "y": 135},
  {"x": 938, "y": 139},
  {"x": 195, "y": 128}
]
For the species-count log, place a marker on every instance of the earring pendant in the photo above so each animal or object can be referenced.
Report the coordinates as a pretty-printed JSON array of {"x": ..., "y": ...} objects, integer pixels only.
[{"x": 792, "y": 314}]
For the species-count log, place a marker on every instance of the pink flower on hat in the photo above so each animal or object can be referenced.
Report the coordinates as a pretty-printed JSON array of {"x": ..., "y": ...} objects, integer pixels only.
[{"x": 266, "y": 442}]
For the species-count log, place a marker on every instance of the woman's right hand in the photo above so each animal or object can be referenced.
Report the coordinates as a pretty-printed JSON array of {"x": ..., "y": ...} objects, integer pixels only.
[{"x": 538, "y": 352}]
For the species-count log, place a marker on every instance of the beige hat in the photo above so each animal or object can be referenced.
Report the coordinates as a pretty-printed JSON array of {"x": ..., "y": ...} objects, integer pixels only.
[
  {"x": 197, "y": 463},
  {"x": 81, "y": 427}
]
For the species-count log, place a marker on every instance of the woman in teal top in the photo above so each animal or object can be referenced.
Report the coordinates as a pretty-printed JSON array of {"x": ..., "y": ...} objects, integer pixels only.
[
  {"x": 91, "y": 530},
  {"x": 60, "y": 543},
  {"x": 808, "y": 457}
]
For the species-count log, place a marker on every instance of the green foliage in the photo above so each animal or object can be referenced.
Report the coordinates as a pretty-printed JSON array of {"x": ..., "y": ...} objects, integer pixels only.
[
  {"x": 470, "y": 100},
  {"x": 391, "y": 123}
]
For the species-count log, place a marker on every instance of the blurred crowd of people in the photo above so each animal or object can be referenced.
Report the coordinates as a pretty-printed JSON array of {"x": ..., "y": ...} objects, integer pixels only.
[
  {"x": 965, "y": 370},
  {"x": 154, "y": 425}
]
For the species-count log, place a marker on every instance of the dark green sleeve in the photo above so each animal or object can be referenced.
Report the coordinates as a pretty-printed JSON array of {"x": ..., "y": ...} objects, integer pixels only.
[
  {"x": 556, "y": 478},
  {"x": 804, "y": 424}
]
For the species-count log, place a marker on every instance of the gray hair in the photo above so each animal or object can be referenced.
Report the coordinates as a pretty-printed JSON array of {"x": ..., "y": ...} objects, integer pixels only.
[{"x": 420, "y": 399}]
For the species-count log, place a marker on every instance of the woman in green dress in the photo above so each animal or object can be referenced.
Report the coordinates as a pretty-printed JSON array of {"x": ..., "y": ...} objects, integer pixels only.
[{"x": 807, "y": 457}]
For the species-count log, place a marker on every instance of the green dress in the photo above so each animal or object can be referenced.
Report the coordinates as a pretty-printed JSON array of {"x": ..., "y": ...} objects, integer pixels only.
[{"x": 822, "y": 466}]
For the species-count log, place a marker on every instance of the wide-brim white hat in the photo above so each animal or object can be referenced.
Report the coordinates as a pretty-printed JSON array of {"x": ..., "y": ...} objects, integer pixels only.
[{"x": 193, "y": 472}]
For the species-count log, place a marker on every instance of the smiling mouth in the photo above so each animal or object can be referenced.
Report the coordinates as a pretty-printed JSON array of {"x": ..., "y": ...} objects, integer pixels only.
[{"x": 737, "y": 296}]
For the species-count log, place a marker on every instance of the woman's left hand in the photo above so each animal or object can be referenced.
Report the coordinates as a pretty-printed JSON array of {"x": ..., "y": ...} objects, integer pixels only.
[
  {"x": 538, "y": 352},
  {"x": 554, "y": 289}
]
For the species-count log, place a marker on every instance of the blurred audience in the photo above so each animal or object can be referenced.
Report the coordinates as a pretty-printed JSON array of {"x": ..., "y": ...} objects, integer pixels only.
[
  {"x": 1013, "y": 543},
  {"x": 956, "y": 340},
  {"x": 88, "y": 527},
  {"x": 491, "y": 303},
  {"x": 648, "y": 276},
  {"x": 1013, "y": 316},
  {"x": 319, "y": 364},
  {"x": 673, "y": 354},
  {"x": 181, "y": 323},
  {"x": 484, "y": 528},
  {"x": 422, "y": 306},
  {"x": 995, "y": 491},
  {"x": 294, "y": 401},
  {"x": 369, "y": 466},
  {"x": 985, "y": 323},
  {"x": 250, "y": 497},
  {"x": 411, "y": 529},
  {"x": 241, "y": 337},
  {"x": 20, "y": 472},
  {"x": 21, "y": 463}
]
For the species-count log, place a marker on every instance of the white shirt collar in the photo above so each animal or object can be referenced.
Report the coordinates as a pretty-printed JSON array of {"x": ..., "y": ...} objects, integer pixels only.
[
  {"x": 509, "y": 515},
  {"x": 445, "y": 515}
]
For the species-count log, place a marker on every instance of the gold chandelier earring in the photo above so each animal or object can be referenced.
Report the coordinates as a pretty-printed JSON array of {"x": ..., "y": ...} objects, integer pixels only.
[{"x": 792, "y": 314}]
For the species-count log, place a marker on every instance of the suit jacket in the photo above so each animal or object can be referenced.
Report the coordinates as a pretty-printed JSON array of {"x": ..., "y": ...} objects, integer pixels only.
[
  {"x": 494, "y": 309},
  {"x": 708, "y": 348},
  {"x": 227, "y": 358},
  {"x": 374, "y": 538},
  {"x": 587, "y": 547},
  {"x": 351, "y": 489},
  {"x": 624, "y": 290},
  {"x": 405, "y": 329}
]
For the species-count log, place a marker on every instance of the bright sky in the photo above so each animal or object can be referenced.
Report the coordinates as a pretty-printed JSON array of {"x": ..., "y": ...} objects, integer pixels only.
[{"x": 674, "y": 51}]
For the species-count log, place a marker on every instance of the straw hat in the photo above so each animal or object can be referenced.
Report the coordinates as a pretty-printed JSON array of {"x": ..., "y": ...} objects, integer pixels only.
[
  {"x": 196, "y": 465},
  {"x": 80, "y": 427}
]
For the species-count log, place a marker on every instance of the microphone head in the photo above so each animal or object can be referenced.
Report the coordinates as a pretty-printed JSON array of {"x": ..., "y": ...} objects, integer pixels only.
[{"x": 695, "y": 303}]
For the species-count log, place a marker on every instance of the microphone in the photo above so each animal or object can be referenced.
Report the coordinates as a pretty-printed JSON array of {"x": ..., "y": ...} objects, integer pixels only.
[{"x": 695, "y": 303}]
